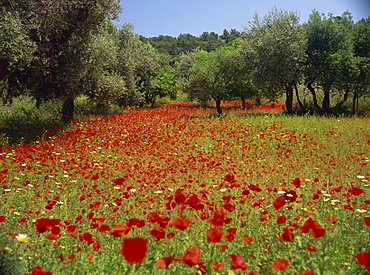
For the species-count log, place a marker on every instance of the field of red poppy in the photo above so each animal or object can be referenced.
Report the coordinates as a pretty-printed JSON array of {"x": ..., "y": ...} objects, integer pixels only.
[{"x": 176, "y": 190}]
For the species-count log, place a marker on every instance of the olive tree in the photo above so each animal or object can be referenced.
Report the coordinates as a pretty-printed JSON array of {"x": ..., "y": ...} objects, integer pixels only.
[
  {"x": 61, "y": 31},
  {"x": 274, "y": 47}
]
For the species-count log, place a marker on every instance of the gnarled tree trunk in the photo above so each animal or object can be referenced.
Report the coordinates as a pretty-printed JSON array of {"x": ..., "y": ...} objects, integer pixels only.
[
  {"x": 244, "y": 104},
  {"x": 345, "y": 97},
  {"x": 326, "y": 100},
  {"x": 297, "y": 96},
  {"x": 4, "y": 63},
  {"x": 218, "y": 105},
  {"x": 68, "y": 109},
  {"x": 314, "y": 97},
  {"x": 355, "y": 101},
  {"x": 289, "y": 98}
]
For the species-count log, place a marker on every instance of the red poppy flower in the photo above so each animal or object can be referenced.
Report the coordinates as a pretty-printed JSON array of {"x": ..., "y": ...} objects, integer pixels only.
[
  {"x": 104, "y": 228},
  {"x": 281, "y": 219},
  {"x": 288, "y": 234},
  {"x": 223, "y": 247},
  {"x": 363, "y": 258},
  {"x": 52, "y": 237},
  {"x": 279, "y": 202},
  {"x": 50, "y": 204},
  {"x": 367, "y": 221},
  {"x": 118, "y": 181},
  {"x": 164, "y": 262},
  {"x": 248, "y": 239},
  {"x": 120, "y": 230},
  {"x": 181, "y": 223},
  {"x": 38, "y": 271},
  {"x": 356, "y": 191},
  {"x": 170, "y": 205},
  {"x": 61, "y": 257},
  {"x": 229, "y": 178},
  {"x": 88, "y": 238},
  {"x": 311, "y": 248},
  {"x": 245, "y": 192},
  {"x": 100, "y": 219},
  {"x": 179, "y": 196},
  {"x": 331, "y": 219},
  {"x": 158, "y": 233},
  {"x": 218, "y": 218},
  {"x": 217, "y": 265},
  {"x": 280, "y": 264},
  {"x": 308, "y": 272},
  {"x": 96, "y": 246},
  {"x": 229, "y": 207},
  {"x": 71, "y": 257},
  {"x": 156, "y": 217},
  {"x": 191, "y": 256},
  {"x": 89, "y": 257},
  {"x": 44, "y": 224},
  {"x": 214, "y": 236},
  {"x": 254, "y": 187},
  {"x": 291, "y": 196},
  {"x": 135, "y": 222},
  {"x": 297, "y": 182},
  {"x": 317, "y": 229},
  {"x": 71, "y": 228},
  {"x": 237, "y": 262},
  {"x": 134, "y": 249},
  {"x": 231, "y": 236},
  {"x": 2, "y": 218}
]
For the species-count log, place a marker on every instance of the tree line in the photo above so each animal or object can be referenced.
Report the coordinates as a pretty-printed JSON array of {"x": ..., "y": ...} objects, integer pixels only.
[
  {"x": 326, "y": 58},
  {"x": 62, "y": 50}
]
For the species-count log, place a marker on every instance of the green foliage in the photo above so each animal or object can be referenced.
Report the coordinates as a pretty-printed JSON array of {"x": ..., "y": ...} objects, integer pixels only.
[
  {"x": 102, "y": 83},
  {"x": 208, "y": 41},
  {"x": 217, "y": 75},
  {"x": 61, "y": 32},
  {"x": 138, "y": 65},
  {"x": 10, "y": 262},
  {"x": 336, "y": 62},
  {"x": 15, "y": 45},
  {"x": 274, "y": 48},
  {"x": 165, "y": 85}
]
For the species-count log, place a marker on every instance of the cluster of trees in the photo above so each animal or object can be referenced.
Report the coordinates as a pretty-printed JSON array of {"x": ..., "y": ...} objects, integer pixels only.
[
  {"x": 207, "y": 41},
  {"x": 61, "y": 50},
  {"x": 328, "y": 57}
]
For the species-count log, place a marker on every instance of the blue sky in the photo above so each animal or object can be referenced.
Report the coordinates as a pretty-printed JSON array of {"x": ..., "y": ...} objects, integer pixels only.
[{"x": 173, "y": 17}]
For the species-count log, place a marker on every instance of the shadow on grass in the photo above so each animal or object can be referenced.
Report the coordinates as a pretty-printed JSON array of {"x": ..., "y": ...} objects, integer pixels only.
[
  {"x": 29, "y": 132},
  {"x": 21, "y": 122}
]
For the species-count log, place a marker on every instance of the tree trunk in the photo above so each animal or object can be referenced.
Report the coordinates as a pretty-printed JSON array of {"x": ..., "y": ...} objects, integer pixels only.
[
  {"x": 244, "y": 104},
  {"x": 153, "y": 101},
  {"x": 258, "y": 101},
  {"x": 289, "y": 98},
  {"x": 355, "y": 101},
  {"x": 297, "y": 95},
  {"x": 68, "y": 109},
  {"x": 4, "y": 63},
  {"x": 218, "y": 105},
  {"x": 345, "y": 97},
  {"x": 314, "y": 97},
  {"x": 326, "y": 101}
]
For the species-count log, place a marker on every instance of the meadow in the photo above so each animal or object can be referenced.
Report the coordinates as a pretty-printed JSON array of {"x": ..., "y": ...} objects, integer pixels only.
[{"x": 177, "y": 190}]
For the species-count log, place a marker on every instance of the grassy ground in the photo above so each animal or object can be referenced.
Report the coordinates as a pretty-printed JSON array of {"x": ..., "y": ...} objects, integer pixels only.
[{"x": 178, "y": 190}]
